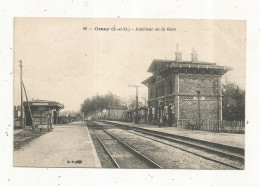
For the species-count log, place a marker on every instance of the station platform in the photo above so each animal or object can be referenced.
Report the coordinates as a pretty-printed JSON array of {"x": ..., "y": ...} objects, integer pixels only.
[
  {"x": 67, "y": 145},
  {"x": 234, "y": 140}
]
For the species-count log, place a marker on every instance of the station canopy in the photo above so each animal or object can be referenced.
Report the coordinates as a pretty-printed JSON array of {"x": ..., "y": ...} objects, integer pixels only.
[{"x": 44, "y": 105}]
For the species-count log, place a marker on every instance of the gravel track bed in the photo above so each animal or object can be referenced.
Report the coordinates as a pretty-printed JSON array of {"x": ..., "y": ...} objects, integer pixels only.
[
  {"x": 164, "y": 155},
  {"x": 124, "y": 157},
  {"x": 102, "y": 155},
  {"x": 213, "y": 156},
  {"x": 98, "y": 126},
  {"x": 198, "y": 144}
]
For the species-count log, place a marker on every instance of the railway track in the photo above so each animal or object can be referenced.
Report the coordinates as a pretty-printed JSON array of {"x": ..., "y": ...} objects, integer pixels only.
[
  {"x": 121, "y": 154},
  {"x": 227, "y": 156}
]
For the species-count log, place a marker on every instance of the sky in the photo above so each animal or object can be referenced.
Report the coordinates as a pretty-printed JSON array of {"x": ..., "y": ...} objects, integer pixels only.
[{"x": 64, "y": 63}]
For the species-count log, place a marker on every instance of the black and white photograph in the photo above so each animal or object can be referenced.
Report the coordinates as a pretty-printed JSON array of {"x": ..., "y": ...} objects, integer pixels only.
[{"x": 129, "y": 93}]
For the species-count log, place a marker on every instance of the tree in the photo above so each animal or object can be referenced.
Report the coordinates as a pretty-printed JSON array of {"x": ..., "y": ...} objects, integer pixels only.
[
  {"x": 68, "y": 116},
  {"x": 233, "y": 102},
  {"x": 131, "y": 104},
  {"x": 99, "y": 103}
]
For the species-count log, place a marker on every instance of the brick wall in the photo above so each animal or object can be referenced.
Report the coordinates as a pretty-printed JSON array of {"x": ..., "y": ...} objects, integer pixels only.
[
  {"x": 207, "y": 84},
  {"x": 189, "y": 109}
]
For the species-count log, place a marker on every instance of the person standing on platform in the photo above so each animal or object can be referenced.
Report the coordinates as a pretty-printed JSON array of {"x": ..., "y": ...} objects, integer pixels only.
[{"x": 164, "y": 119}]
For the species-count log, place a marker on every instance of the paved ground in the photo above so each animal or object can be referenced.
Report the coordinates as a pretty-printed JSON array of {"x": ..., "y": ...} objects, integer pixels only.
[
  {"x": 66, "y": 146},
  {"x": 237, "y": 140}
]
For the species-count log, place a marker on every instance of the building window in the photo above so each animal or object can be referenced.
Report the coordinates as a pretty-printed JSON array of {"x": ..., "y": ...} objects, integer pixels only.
[
  {"x": 163, "y": 90},
  {"x": 157, "y": 91},
  {"x": 169, "y": 86},
  {"x": 158, "y": 78},
  {"x": 160, "y": 90},
  {"x": 151, "y": 92}
]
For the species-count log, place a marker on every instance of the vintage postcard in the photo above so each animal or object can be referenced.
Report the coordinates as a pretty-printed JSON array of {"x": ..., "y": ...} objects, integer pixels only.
[{"x": 129, "y": 93}]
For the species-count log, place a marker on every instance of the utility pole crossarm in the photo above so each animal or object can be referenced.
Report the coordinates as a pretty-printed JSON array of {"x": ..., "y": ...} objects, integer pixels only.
[{"x": 133, "y": 85}]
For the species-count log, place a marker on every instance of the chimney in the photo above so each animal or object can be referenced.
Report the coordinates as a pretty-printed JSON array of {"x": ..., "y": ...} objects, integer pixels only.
[
  {"x": 194, "y": 56},
  {"x": 178, "y": 55}
]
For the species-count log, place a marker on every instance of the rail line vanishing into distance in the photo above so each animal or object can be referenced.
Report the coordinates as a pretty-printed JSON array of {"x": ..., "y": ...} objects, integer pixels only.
[
  {"x": 227, "y": 156},
  {"x": 122, "y": 154}
]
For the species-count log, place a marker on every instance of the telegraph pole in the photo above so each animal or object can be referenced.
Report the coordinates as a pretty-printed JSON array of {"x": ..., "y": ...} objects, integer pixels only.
[
  {"x": 33, "y": 127},
  {"x": 136, "y": 114},
  {"x": 145, "y": 112},
  {"x": 21, "y": 84}
]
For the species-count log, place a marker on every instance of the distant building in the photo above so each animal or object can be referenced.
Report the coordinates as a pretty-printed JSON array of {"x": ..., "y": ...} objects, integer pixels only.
[
  {"x": 113, "y": 113},
  {"x": 142, "y": 115},
  {"x": 181, "y": 90}
]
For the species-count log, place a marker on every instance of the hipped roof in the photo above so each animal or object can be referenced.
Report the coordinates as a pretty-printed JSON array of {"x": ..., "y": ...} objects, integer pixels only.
[
  {"x": 189, "y": 64},
  {"x": 160, "y": 66}
]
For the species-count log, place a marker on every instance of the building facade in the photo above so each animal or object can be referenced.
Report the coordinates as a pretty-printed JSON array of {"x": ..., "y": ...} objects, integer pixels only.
[{"x": 184, "y": 90}]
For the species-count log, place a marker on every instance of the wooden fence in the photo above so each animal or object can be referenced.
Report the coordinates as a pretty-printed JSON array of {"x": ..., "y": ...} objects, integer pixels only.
[{"x": 237, "y": 127}]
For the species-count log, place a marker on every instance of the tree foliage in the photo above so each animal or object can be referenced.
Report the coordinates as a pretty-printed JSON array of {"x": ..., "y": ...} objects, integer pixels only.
[
  {"x": 233, "y": 102},
  {"x": 100, "y": 102},
  {"x": 69, "y": 113},
  {"x": 131, "y": 104}
]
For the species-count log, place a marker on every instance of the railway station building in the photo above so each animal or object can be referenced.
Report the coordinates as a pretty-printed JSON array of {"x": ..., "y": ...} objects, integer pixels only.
[
  {"x": 184, "y": 90},
  {"x": 44, "y": 113}
]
